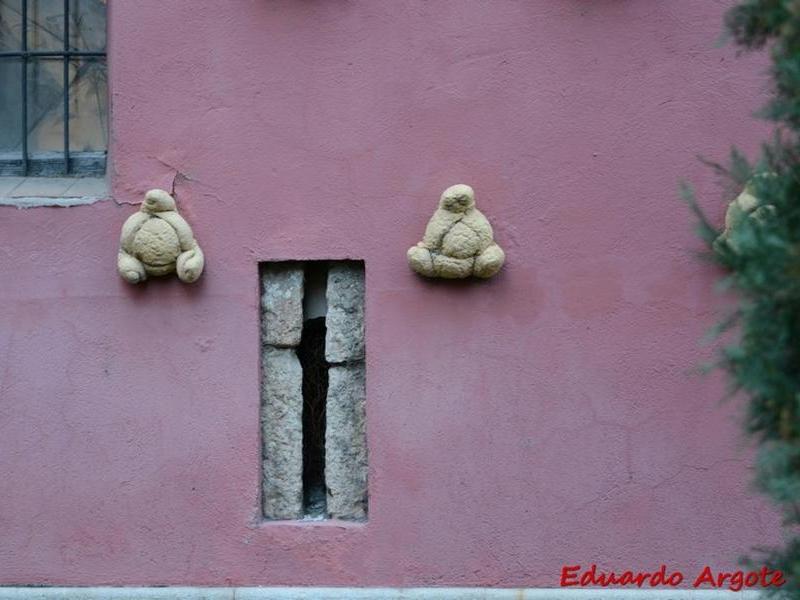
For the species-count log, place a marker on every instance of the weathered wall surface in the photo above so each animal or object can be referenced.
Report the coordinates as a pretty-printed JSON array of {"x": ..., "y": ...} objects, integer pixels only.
[{"x": 544, "y": 417}]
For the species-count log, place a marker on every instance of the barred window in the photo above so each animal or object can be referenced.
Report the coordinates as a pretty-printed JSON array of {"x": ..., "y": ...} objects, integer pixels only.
[{"x": 53, "y": 88}]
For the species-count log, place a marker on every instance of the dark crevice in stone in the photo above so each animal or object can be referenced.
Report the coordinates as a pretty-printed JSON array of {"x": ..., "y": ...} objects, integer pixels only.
[{"x": 311, "y": 353}]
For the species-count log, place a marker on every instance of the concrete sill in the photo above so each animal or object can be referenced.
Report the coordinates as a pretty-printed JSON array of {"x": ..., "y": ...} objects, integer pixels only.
[{"x": 30, "y": 192}]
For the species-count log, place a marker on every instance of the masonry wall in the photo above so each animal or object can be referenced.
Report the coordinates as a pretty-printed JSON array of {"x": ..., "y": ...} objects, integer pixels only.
[{"x": 547, "y": 416}]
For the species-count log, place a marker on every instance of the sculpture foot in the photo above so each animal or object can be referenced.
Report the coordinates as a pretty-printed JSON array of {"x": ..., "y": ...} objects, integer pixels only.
[
  {"x": 189, "y": 265},
  {"x": 448, "y": 267},
  {"x": 130, "y": 268},
  {"x": 489, "y": 262},
  {"x": 420, "y": 260}
]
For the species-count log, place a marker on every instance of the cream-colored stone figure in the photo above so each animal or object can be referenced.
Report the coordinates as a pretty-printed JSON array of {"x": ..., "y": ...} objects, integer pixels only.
[
  {"x": 158, "y": 241},
  {"x": 458, "y": 240},
  {"x": 744, "y": 206}
]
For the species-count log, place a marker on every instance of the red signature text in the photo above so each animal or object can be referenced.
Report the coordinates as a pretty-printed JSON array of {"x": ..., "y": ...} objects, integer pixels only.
[{"x": 572, "y": 575}]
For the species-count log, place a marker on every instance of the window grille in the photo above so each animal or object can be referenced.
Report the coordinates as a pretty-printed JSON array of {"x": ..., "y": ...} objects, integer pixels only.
[{"x": 44, "y": 130}]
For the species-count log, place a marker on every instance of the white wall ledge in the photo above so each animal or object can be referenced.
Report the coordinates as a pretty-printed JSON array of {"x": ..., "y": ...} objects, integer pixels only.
[
  {"x": 342, "y": 593},
  {"x": 30, "y": 192}
]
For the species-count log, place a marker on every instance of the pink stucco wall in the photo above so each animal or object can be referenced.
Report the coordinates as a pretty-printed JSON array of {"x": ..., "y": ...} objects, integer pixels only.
[{"x": 548, "y": 416}]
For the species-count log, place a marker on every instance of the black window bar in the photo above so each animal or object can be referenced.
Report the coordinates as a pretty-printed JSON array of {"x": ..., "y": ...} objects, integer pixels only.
[{"x": 94, "y": 167}]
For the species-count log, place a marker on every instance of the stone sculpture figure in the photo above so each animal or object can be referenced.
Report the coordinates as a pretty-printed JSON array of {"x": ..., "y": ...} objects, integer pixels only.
[
  {"x": 744, "y": 206},
  {"x": 458, "y": 240},
  {"x": 158, "y": 241}
]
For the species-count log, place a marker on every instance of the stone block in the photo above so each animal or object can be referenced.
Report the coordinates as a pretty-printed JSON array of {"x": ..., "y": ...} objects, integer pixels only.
[
  {"x": 346, "y": 442},
  {"x": 282, "y": 433},
  {"x": 344, "y": 340},
  {"x": 282, "y": 305}
]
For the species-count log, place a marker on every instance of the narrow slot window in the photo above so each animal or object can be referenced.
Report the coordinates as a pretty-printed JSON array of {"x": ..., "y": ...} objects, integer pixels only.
[
  {"x": 314, "y": 455},
  {"x": 311, "y": 353}
]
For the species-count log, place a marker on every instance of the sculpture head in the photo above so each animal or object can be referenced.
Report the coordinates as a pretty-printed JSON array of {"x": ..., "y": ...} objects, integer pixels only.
[
  {"x": 157, "y": 201},
  {"x": 457, "y": 198}
]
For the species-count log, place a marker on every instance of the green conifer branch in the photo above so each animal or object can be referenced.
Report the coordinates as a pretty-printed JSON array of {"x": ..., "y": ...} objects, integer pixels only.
[{"x": 762, "y": 259}]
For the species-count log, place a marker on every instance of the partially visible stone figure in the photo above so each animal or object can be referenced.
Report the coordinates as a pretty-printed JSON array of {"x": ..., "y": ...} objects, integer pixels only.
[
  {"x": 744, "y": 206},
  {"x": 458, "y": 240},
  {"x": 158, "y": 241}
]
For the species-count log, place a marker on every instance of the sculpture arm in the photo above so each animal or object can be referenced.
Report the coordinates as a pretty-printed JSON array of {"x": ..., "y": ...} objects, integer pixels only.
[
  {"x": 438, "y": 226},
  {"x": 478, "y": 223},
  {"x": 129, "y": 230},
  {"x": 181, "y": 227}
]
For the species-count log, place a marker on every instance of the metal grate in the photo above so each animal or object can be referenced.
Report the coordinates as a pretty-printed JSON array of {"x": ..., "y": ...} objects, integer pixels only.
[{"x": 86, "y": 163}]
